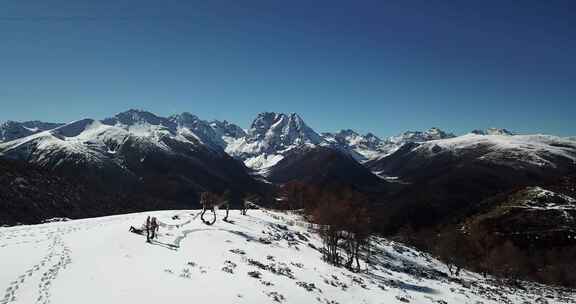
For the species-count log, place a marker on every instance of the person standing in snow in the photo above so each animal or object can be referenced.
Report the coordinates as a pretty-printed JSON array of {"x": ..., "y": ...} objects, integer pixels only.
[
  {"x": 148, "y": 227},
  {"x": 155, "y": 227}
]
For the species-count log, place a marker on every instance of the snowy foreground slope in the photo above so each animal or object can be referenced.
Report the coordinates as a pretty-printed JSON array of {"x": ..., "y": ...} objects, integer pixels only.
[{"x": 263, "y": 257}]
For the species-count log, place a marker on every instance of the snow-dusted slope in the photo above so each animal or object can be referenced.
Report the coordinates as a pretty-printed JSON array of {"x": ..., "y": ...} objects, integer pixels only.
[
  {"x": 136, "y": 147},
  {"x": 92, "y": 141},
  {"x": 393, "y": 143},
  {"x": 493, "y": 131},
  {"x": 537, "y": 198},
  {"x": 538, "y": 150},
  {"x": 360, "y": 147},
  {"x": 270, "y": 136},
  {"x": 83, "y": 142},
  {"x": 259, "y": 258},
  {"x": 12, "y": 130},
  {"x": 516, "y": 151},
  {"x": 228, "y": 131}
]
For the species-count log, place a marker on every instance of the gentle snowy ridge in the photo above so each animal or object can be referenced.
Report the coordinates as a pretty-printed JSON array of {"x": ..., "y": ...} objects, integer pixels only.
[{"x": 264, "y": 257}]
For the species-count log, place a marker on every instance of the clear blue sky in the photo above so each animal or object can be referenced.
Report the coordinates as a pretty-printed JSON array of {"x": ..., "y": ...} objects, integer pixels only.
[{"x": 380, "y": 66}]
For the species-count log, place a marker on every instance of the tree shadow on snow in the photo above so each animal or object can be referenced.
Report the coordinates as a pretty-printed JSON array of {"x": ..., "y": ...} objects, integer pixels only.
[
  {"x": 165, "y": 245},
  {"x": 184, "y": 234},
  {"x": 395, "y": 283}
]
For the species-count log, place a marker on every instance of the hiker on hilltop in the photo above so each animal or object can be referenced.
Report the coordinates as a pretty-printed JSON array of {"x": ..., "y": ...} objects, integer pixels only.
[
  {"x": 155, "y": 227},
  {"x": 148, "y": 227}
]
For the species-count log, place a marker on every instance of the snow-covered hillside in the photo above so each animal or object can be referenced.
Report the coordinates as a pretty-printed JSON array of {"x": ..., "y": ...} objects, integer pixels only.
[
  {"x": 539, "y": 150},
  {"x": 264, "y": 257},
  {"x": 393, "y": 143}
]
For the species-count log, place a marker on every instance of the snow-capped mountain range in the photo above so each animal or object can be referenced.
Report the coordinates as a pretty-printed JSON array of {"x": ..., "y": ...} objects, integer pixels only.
[
  {"x": 136, "y": 147},
  {"x": 265, "y": 143},
  {"x": 269, "y": 139}
]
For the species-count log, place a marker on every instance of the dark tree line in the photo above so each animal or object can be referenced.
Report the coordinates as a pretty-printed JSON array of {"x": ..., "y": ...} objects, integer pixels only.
[{"x": 488, "y": 253}]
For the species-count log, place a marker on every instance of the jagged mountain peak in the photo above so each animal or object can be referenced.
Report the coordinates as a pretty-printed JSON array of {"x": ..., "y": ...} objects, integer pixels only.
[
  {"x": 433, "y": 133},
  {"x": 135, "y": 116},
  {"x": 371, "y": 136},
  {"x": 227, "y": 129},
  {"x": 186, "y": 119},
  {"x": 438, "y": 133},
  {"x": 203, "y": 130},
  {"x": 285, "y": 129},
  {"x": 360, "y": 147},
  {"x": 347, "y": 132},
  {"x": 270, "y": 136}
]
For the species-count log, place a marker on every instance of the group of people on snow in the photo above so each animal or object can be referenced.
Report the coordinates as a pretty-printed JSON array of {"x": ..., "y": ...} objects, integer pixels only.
[
  {"x": 209, "y": 201},
  {"x": 151, "y": 226}
]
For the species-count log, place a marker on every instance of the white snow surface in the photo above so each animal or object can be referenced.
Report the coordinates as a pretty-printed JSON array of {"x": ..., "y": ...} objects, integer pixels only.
[
  {"x": 505, "y": 149},
  {"x": 98, "y": 261}
]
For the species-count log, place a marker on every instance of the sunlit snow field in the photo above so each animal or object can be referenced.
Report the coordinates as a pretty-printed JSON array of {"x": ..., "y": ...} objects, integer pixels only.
[{"x": 264, "y": 257}]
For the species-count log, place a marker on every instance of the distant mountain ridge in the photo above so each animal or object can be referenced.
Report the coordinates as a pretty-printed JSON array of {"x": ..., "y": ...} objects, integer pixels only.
[
  {"x": 268, "y": 140},
  {"x": 11, "y": 130},
  {"x": 137, "y": 149},
  {"x": 270, "y": 136}
]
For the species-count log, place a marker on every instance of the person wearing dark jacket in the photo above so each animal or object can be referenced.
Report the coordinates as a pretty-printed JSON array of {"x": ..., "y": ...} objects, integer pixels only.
[
  {"x": 148, "y": 226},
  {"x": 155, "y": 227}
]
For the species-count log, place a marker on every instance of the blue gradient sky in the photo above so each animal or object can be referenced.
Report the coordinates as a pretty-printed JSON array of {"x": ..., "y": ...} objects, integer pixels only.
[{"x": 380, "y": 66}]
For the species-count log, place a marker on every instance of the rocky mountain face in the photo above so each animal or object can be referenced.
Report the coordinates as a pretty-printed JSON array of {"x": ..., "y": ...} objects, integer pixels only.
[
  {"x": 227, "y": 131},
  {"x": 188, "y": 124},
  {"x": 492, "y": 131},
  {"x": 174, "y": 158},
  {"x": 11, "y": 130},
  {"x": 368, "y": 147},
  {"x": 393, "y": 143},
  {"x": 360, "y": 147},
  {"x": 270, "y": 136}
]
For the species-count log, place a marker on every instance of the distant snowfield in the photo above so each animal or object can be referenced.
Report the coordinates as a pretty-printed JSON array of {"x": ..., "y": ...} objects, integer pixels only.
[
  {"x": 98, "y": 261},
  {"x": 533, "y": 149}
]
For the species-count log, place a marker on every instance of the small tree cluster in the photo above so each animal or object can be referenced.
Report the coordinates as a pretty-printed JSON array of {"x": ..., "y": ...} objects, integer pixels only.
[
  {"x": 344, "y": 226},
  {"x": 208, "y": 200},
  {"x": 299, "y": 196}
]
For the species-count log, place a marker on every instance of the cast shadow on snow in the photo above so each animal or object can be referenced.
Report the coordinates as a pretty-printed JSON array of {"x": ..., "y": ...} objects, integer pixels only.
[
  {"x": 184, "y": 234},
  {"x": 402, "y": 285},
  {"x": 165, "y": 245},
  {"x": 384, "y": 260}
]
